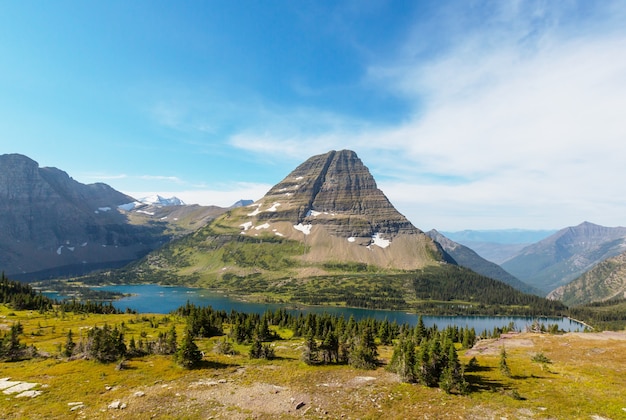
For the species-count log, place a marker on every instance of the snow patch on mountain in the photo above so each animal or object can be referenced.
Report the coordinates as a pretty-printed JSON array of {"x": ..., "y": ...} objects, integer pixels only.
[
  {"x": 274, "y": 207},
  {"x": 306, "y": 229},
  {"x": 129, "y": 206},
  {"x": 149, "y": 213},
  {"x": 378, "y": 240},
  {"x": 157, "y": 200},
  {"x": 256, "y": 211},
  {"x": 153, "y": 200}
]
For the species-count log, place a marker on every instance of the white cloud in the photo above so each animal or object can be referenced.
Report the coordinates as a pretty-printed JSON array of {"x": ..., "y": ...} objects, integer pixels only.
[
  {"x": 520, "y": 122},
  {"x": 173, "y": 179}
]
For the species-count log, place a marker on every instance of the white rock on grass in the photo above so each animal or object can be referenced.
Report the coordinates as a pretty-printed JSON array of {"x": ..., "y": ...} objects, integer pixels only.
[
  {"x": 20, "y": 387},
  {"x": 29, "y": 394}
]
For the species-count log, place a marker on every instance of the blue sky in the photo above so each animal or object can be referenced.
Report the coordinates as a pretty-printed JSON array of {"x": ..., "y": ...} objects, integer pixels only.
[{"x": 469, "y": 114}]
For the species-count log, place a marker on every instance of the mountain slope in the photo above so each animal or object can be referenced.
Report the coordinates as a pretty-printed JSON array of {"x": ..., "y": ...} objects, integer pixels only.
[
  {"x": 466, "y": 257},
  {"x": 52, "y": 225},
  {"x": 498, "y": 246},
  {"x": 605, "y": 281},
  {"x": 327, "y": 235},
  {"x": 327, "y": 213},
  {"x": 565, "y": 255}
]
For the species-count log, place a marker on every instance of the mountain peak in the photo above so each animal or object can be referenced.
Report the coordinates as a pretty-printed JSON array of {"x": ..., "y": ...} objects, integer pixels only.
[
  {"x": 158, "y": 200},
  {"x": 336, "y": 190}
]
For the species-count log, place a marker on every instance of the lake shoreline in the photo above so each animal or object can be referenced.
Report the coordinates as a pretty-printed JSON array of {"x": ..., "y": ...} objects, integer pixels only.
[{"x": 163, "y": 299}]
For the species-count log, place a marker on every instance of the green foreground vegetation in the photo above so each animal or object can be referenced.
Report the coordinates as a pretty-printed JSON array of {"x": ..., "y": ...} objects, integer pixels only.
[
  {"x": 542, "y": 381},
  {"x": 201, "y": 363}
]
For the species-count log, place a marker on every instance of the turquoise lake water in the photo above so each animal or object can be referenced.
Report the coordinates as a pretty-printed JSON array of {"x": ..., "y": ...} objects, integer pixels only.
[{"x": 164, "y": 299}]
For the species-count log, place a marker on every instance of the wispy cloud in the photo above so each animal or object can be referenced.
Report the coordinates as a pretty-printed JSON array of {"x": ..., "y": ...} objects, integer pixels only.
[
  {"x": 173, "y": 179},
  {"x": 524, "y": 115}
]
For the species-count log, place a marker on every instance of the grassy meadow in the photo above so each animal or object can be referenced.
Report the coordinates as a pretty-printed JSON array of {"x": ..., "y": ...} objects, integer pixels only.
[{"x": 580, "y": 375}]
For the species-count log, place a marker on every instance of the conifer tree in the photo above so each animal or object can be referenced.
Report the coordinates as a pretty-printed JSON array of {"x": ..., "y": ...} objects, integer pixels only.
[
  {"x": 188, "y": 355},
  {"x": 70, "y": 345},
  {"x": 310, "y": 353},
  {"x": 504, "y": 366},
  {"x": 452, "y": 378},
  {"x": 364, "y": 354},
  {"x": 403, "y": 360}
]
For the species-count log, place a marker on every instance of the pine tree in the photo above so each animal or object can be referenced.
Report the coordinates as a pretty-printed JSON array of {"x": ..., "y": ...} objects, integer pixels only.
[
  {"x": 188, "y": 355},
  {"x": 504, "y": 366},
  {"x": 452, "y": 378},
  {"x": 171, "y": 343},
  {"x": 70, "y": 345},
  {"x": 403, "y": 360},
  {"x": 256, "y": 350},
  {"x": 364, "y": 354},
  {"x": 310, "y": 353}
]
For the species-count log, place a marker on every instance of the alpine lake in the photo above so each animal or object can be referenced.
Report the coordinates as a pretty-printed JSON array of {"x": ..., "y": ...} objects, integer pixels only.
[{"x": 157, "y": 299}]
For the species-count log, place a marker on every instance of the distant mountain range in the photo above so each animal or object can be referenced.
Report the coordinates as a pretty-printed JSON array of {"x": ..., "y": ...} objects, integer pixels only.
[
  {"x": 565, "y": 255},
  {"x": 52, "y": 225},
  {"x": 466, "y": 257},
  {"x": 327, "y": 217},
  {"x": 498, "y": 245},
  {"x": 605, "y": 281}
]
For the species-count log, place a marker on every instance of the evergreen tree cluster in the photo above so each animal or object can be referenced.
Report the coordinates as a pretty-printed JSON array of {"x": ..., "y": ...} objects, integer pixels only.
[
  {"x": 22, "y": 296},
  {"x": 104, "y": 344},
  {"x": 454, "y": 283},
  {"x": 433, "y": 363},
  {"x": 202, "y": 321},
  {"x": 11, "y": 349}
]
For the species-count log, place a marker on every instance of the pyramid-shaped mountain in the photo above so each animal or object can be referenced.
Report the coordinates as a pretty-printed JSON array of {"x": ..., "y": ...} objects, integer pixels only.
[
  {"x": 323, "y": 235},
  {"x": 332, "y": 204},
  {"x": 335, "y": 190},
  {"x": 327, "y": 213}
]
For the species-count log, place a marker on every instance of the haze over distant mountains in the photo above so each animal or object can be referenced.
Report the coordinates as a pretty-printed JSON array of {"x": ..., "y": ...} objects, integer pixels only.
[
  {"x": 498, "y": 245},
  {"x": 466, "y": 257},
  {"x": 565, "y": 255},
  {"x": 606, "y": 280}
]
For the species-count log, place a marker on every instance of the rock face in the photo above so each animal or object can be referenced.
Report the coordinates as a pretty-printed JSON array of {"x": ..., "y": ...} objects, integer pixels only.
[
  {"x": 336, "y": 190},
  {"x": 567, "y": 254},
  {"x": 326, "y": 216},
  {"x": 52, "y": 225}
]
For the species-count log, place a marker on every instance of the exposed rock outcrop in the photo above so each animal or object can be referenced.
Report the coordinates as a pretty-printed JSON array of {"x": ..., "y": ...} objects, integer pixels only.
[
  {"x": 52, "y": 225},
  {"x": 336, "y": 190}
]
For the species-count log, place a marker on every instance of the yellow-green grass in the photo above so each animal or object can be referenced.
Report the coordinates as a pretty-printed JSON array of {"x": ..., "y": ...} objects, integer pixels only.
[{"x": 586, "y": 377}]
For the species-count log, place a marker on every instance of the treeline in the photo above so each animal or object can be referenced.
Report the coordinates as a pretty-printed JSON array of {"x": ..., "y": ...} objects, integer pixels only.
[
  {"x": 606, "y": 315},
  {"x": 453, "y": 283},
  {"x": 21, "y": 296}
]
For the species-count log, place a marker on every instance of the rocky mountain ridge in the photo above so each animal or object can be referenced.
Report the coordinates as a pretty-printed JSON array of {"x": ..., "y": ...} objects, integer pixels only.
[
  {"x": 326, "y": 214},
  {"x": 565, "y": 255},
  {"x": 51, "y": 224},
  {"x": 605, "y": 281},
  {"x": 468, "y": 258}
]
